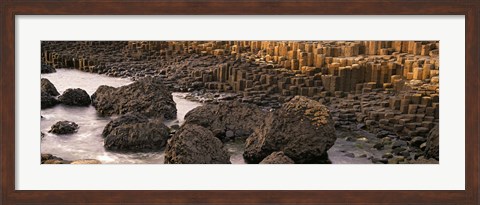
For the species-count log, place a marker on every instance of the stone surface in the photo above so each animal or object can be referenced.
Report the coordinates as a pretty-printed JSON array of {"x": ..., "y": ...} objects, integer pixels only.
[
  {"x": 432, "y": 149},
  {"x": 64, "y": 127},
  {"x": 147, "y": 96},
  {"x": 277, "y": 158},
  {"x": 301, "y": 128},
  {"x": 227, "y": 120},
  {"x": 193, "y": 144},
  {"x": 47, "y": 87},
  {"x": 75, "y": 97},
  {"x": 138, "y": 137},
  {"x": 129, "y": 118},
  {"x": 47, "y": 101},
  {"x": 47, "y": 69}
]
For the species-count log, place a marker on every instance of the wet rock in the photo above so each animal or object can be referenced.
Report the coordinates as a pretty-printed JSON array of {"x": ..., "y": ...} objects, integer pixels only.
[
  {"x": 277, "y": 158},
  {"x": 138, "y": 137},
  {"x": 302, "y": 128},
  {"x": 193, "y": 144},
  {"x": 432, "y": 150},
  {"x": 47, "y": 87},
  {"x": 86, "y": 161},
  {"x": 64, "y": 127},
  {"x": 227, "y": 120},
  {"x": 47, "y": 69},
  {"x": 75, "y": 97},
  {"x": 50, "y": 159},
  {"x": 147, "y": 96},
  {"x": 47, "y": 101},
  {"x": 129, "y": 118}
]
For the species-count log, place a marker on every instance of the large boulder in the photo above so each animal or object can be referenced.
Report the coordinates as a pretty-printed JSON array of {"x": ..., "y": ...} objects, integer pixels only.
[
  {"x": 277, "y": 158},
  {"x": 47, "y": 69},
  {"x": 64, "y": 127},
  {"x": 129, "y": 118},
  {"x": 48, "y": 87},
  {"x": 193, "y": 144},
  {"x": 302, "y": 128},
  {"x": 47, "y": 101},
  {"x": 227, "y": 120},
  {"x": 76, "y": 97},
  {"x": 432, "y": 149},
  {"x": 147, "y": 96},
  {"x": 138, "y": 137}
]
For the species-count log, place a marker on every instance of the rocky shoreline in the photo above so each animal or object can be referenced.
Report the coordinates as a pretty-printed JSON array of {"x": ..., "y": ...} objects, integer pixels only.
[{"x": 389, "y": 89}]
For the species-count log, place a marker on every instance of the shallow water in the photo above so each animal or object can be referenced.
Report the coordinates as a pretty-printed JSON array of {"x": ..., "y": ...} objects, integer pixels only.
[{"x": 87, "y": 143}]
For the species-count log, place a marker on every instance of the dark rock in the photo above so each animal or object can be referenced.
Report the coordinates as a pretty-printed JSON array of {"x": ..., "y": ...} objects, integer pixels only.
[
  {"x": 48, "y": 87},
  {"x": 129, "y": 118},
  {"x": 47, "y": 101},
  {"x": 64, "y": 127},
  {"x": 277, "y": 158},
  {"x": 302, "y": 128},
  {"x": 232, "y": 118},
  {"x": 399, "y": 143},
  {"x": 417, "y": 141},
  {"x": 50, "y": 159},
  {"x": 47, "y": 69},
  {"x": 193, "y": 144},
  {"x": 138, "y": 137},
  {"x": 147, "y": 96},
  {"x": 75, "y": 97},
  {"x": 378, "y": 146},
  {"x": 432, "y": 148}
]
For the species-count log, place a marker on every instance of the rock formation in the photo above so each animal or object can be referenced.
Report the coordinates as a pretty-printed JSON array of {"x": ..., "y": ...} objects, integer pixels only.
[
  {"x": 47, "y": 87},
  {"x": 147, "y": 96},
  {"x": 137, "y": 136},
  {"x": 193, "y": 144},
  {"x": 277, "y": 158},
  {"x": 227, "y": 120},
  {"x": 75, "y": 97},
  {"x": 301, "y": 128},
  {"x": 64, "y": 127},
  {"x": 432, "y": 149}
]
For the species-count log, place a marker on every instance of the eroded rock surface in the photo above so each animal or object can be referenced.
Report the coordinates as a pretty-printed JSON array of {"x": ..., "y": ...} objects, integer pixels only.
[
  {"x": 277, "y": 158},
  {"x": 301, "y": 128},
  {"x": 227, "y": 120},
  {"x": 193, "y": 144},
  {"x": 75, "y": 97},
  {"x": 64, "y": 127},
  {"x": 139, "y": 136},
  {"x": 147, "y": 96}
]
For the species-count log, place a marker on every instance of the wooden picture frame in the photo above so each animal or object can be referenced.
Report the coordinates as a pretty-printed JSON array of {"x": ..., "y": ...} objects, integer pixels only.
[{"x": 10, "y": 8}]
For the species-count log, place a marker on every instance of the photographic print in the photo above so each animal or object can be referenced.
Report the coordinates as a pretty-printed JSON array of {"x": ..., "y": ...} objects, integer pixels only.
[{"x": 240, "y": 102}]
